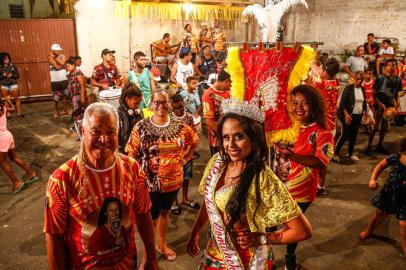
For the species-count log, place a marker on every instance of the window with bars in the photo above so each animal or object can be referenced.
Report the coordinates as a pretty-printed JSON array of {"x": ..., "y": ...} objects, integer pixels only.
[{"x": 16, "y": 11}]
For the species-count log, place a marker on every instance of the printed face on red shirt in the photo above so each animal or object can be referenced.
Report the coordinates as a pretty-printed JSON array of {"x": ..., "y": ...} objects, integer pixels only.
[
  {"x": 235, "y": 141},
  {"x": 100, "y": 136},
  {"x": 113, "y": 211},
  {"x": 300, "y": 108}
]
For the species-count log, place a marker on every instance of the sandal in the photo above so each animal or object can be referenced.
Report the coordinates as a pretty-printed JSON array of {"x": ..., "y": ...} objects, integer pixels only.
[
  {"x": 19, "y": 189},
  {"x": 176, "y": 210},
  {"x": 192, "y": 205},
  {"x": 168, "y": 255},
  {"x": 32, "y": 179},
  {"x": 20, "y": 115}
]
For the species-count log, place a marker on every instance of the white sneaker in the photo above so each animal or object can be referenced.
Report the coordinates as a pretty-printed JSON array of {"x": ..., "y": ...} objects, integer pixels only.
[
  {"x": 336, "y": 158},
  {"x": 354, "y": 158}
]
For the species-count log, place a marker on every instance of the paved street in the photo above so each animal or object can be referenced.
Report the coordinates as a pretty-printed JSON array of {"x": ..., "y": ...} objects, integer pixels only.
[{"x": 336, "y": 219}]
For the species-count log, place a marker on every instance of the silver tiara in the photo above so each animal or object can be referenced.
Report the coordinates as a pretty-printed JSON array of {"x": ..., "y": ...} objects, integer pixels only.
[{"x": 244, "y": 108}]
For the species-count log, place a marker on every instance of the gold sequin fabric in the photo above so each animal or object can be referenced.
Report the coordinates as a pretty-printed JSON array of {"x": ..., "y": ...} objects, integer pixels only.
[{"x": 275, "y": 207}]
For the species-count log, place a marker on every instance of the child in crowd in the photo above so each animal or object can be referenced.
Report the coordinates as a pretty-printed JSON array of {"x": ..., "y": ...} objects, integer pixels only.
[
  {"x": 367, "y": 83},
  {"x": 385, "y": 52},
  {"x": 178, "y": 112},
  {"x": 329, "y": 86},
  {"x": 191, "y": 97},
  {"x": 7, "y": 148},
  {"x": 129, "y": 113},
  {"x": 76, "y": 88},
  {"x": 78, "y": 61},
  {"x": 8, "y": 81},
  {"x": 391, "y": 200}
]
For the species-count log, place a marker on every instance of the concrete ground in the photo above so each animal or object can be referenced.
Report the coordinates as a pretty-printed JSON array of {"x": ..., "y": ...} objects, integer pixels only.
[{"x": 336, "y": 219}]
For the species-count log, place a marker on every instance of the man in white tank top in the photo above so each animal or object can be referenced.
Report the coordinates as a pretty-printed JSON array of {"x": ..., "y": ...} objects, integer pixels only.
[
  {"x": 59, "y": 81},
  {"x": 182, "y": 69}
]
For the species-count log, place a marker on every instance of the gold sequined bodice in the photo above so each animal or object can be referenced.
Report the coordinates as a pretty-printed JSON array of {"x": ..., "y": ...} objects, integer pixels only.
[{"x": 223, "y": 196}]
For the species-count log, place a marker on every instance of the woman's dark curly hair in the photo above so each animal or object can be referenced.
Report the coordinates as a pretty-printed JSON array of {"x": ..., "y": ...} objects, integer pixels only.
[
  {"x": 103, "y": 212},
  {"x": 317, "y": 104},
  {"x": 255, "y": 163}
]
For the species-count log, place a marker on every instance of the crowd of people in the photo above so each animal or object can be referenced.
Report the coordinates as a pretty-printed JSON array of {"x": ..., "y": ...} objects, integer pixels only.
[{"x": 131, "y": 166}]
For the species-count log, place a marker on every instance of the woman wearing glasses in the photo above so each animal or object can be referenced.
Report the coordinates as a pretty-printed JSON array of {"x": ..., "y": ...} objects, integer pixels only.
[{"x": 162, "y": 145}]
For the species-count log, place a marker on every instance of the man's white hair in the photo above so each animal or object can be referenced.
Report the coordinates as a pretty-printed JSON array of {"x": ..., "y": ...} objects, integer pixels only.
[{"x": 100, "y": 108}]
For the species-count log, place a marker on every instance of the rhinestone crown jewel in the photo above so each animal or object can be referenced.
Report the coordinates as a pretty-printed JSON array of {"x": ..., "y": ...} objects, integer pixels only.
[{"x": 251, "y": 109}]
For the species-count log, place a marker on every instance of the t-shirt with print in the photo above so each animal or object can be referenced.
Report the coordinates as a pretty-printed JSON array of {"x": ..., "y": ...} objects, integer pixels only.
[
  {"x": 356, "y": 64},
  {"x": 192, "y": 100},
  {"x": 368, "y": 92},
  {"x": 387, "y": 89},
  {"x": 212, "y": 100},
  {"x": 160, "y": 150},
  {"x": 388, "y": 50},
  {"x": 330, "y": 89},
  {"x": 103, "y": 74},
  {"x": 302, "y": 181},
  {"x": 96, "y": 211}
]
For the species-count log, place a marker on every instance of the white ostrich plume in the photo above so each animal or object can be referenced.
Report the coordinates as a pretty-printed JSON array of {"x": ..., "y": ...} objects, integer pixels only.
[{"x": 270, "y": 16}]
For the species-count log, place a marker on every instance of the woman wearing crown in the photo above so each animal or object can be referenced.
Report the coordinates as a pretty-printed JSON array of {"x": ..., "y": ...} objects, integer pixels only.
[{"x": 243, "y": 198}]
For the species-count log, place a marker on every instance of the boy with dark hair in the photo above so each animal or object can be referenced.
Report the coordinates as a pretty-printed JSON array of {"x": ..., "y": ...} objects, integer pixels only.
[
  {"x": 385, "y": 52},
  {"x": 191, "y": 96},
  {"x": 371, "y": 47},
  {"x": 178, "y": 112},
  {"x": 385, "y": 89},
  {"x": 212, "y": 99},
  {"x": 78, "y": 61},
  {"x": 367, "y": 82}
]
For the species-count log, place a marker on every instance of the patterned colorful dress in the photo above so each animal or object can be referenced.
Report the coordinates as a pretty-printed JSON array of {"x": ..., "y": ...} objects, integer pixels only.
[
  {"x": 75, "y": 197},
  {"x": 74, "y": 91},
  {"x": 277, "y": 208},
  {"x": 392, "y": 197},
  {"x": 160, "y": 150}
]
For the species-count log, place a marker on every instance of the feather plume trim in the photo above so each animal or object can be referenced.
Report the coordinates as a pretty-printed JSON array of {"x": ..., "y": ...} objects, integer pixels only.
[{"x": 236, "y": 70}]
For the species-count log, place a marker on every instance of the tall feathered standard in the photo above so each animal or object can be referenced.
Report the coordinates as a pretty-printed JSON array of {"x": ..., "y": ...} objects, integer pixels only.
[{"x": 269, "y": 18}]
